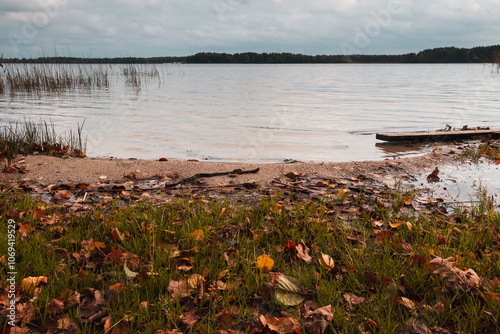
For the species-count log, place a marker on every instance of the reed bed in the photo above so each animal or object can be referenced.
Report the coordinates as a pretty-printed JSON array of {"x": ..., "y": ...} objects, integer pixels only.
[
  {"x": 32, "y": 138},
  {"x": 135, "y": 74},
  {"x": 57, "y": 78},
  {"x": 50, "y": 78}
]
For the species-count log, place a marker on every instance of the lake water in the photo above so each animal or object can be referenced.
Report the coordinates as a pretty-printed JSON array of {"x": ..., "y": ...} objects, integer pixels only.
[{"x": 267, "y": 113}]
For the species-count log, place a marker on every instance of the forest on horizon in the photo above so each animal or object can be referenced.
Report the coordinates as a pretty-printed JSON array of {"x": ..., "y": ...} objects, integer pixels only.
[{"x": 482, "y": 54}]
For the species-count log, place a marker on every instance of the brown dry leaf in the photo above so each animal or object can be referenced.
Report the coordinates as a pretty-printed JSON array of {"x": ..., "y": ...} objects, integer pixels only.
[
  {"x": 179, "y": 289},
  {"x": 316, "y": 321},
  {"x": 280, "y": 325},
  {"x": 406, "y": 303},
  {"x": 326, "y": 261},
  {"x": 454, "y": 277},
  {"x": 417, "y": 327},
  {"x": 92, "y": 305},
  {"x": 195, "y": 280},
  {"x": 116, "y": 235},
  {"x": 190, "y": 320},
  {"x": 224, "y": 320},
  {"x": 67, "y": 298},
  {"x": 303, "y": 252},
  {"x": 29, "y": 284},
  {"x": 352, "y": 300}
]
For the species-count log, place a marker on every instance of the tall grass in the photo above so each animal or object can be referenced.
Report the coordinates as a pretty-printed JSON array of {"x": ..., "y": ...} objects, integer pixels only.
[
  {"x": 134, "y": 73},
  {"x": 57, "y": 78},
  {"x": 43, "y": 78},
  {"x": 29, "y": 137}
]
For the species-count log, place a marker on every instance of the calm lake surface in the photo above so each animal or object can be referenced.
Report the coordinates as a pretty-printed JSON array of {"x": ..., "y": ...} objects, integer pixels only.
[{"x": 267, "y": 113}]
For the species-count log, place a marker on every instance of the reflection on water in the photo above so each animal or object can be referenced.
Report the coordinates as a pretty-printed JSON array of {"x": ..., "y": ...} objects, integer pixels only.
[
  {"x": 396, "y": 150},
  {"x": 460, "y": 182},
  {"x": 268, "y": 113}
]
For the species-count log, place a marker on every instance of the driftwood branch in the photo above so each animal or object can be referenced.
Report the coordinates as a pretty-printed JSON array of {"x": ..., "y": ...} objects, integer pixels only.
[{"x": 200, "y": 175}]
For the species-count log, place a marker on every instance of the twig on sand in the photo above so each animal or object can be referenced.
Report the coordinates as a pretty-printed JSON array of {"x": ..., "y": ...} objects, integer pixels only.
[{"x": 199, "y": 175}]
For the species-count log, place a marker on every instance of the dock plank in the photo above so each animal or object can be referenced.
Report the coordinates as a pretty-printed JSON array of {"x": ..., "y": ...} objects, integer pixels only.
[{"x": 423, "y": 136}]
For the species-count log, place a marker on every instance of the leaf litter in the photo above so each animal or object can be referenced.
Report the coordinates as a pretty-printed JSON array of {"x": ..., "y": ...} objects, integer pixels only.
[{"x": 109, "y": 270}]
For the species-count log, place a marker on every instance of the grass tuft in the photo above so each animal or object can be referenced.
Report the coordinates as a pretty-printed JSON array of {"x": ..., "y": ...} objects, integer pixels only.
[{"x": 39, "y": 138}]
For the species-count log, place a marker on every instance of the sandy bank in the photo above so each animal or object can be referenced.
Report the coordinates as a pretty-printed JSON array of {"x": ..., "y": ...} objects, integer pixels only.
[{"x": 53, "y": 170}]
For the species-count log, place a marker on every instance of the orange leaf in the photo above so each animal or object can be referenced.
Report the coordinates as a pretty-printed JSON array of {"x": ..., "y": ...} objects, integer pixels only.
[
  {"x": 118, "y": 287},
  {"x": 38, "y": 213},
  {"x": 373, "y": 323},
  {"x": 396, "y": 224},
  {"x": 265, "y": 263},
  {"x": 98, "y": 244},
  {"x": 197, "y": 235},
  {"x": 30, "y": 283},
  {"x": 408, "y": 201}
]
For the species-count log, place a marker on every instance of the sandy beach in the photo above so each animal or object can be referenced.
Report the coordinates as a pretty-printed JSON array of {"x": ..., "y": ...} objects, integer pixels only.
[{"x": 54, "y": 170}]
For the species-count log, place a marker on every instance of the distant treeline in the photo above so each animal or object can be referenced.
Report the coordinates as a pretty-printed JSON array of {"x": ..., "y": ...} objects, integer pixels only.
[{"x": 483, "y": 54}]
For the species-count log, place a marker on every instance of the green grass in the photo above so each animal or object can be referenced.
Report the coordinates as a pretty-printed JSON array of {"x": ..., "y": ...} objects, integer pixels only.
[
  {"x": 29, "y": 138},
  {"x": 489, "y": 149},
  {"x": 221, "y": 242}
]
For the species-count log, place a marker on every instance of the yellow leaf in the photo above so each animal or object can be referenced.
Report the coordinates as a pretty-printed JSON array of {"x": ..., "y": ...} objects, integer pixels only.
[
  {"x": 30, "y": 283},
  {"x": 409, "y": 225},
  {"x": 326, "y": 261},
  {"x": 98, "y": 244},
  {"x": 265, "y": 263},
  {"x": 341, "y": 193},
  {"x": 198, "y": 234}
]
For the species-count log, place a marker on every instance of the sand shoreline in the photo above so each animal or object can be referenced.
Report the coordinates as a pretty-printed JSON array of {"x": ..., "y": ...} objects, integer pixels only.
[{"x": 54, "y": 170}]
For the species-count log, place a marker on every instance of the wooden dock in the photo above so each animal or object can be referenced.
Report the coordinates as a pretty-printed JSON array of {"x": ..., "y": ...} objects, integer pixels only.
[{"x": 430, "y": 136}]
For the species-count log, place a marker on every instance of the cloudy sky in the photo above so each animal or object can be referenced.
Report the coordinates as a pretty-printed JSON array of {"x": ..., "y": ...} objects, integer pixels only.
[{"x": 147, "y": 28}]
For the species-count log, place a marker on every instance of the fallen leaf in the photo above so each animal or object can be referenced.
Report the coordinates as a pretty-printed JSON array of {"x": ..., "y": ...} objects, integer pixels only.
[
  {"x": 115, "y": 233},
  {"x": 303, "y": 252},
  {"x": 290, "y": 247},
  {"x": 326, "y": 261},
  {"x": 352, "y": 300},
  {"x": 179, "y": 289},
  {"x": 29, "y": 284},
  {"x": 195, "y": 280},
  {"x": 372, "y": 323},
  {"x": 129, "y": 273},
  {"x": 454, "y": 277},
  {"x": 289, "y": 291},
  {"x": 396, "y": 224},
  {"x": 265, "y": 263},
  {"x": 197, "y": 235},
  {"x": 416, "y": 327},
  {"x": 118, "y": 287},
  {"x": 65, "y": 299},
  {"x": 97, "y": 244}
]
